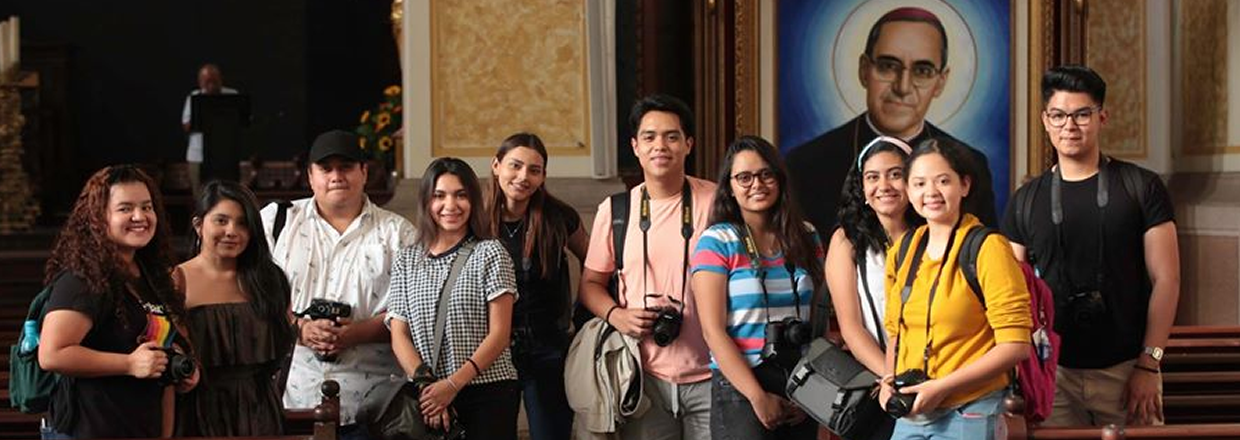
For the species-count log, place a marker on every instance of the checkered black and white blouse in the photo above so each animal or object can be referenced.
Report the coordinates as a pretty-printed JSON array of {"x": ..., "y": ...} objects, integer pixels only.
[{"x": 414, "y": 294}]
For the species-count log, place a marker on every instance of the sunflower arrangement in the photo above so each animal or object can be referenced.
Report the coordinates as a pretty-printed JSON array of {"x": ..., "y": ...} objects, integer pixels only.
[{"x": 376, "y": 133}]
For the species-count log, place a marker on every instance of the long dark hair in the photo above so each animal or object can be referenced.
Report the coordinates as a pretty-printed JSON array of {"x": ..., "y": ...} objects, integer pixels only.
[
  {"x": 785, "y": 217},
  {"x": 543, "y": 228},
  {"x": 859, "y": 221},
  {"x": 260, "y": 277},
  {"x": 84, "y": 249},
  {"x": 428, "y": 230}
]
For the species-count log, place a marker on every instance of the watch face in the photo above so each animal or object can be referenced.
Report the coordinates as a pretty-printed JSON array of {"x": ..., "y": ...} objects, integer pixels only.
[{"x": 1154, "y": 352}]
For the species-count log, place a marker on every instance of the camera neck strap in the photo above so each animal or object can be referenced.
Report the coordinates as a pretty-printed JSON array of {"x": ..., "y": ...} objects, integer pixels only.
[
  {"x": 907, "y": 290},
  {"x": 441, "y": 311},
  {"x": 755, "y": 260},
  {"x": 686, "y": 231},
  {"x": 1057, "y": 218}
]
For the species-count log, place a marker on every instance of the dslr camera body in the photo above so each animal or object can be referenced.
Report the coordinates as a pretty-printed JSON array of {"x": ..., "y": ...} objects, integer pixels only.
[
  {"x": 780, "y": 353},
  {"x": 666, "y": 325},
  {"x": 900, "y": 404},
  {"x": 180, "y": 367},
  {"x": 1084, "y": 309},
  {"x": 326, "y": 309}
]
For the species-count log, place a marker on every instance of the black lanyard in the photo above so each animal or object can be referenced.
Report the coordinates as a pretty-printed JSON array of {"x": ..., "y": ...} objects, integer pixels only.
[
  {"x": 755, "y": 260},
  {"x": 686, "y": 231},
  {"x": 915, "y": 263},
  {"x": 1057, "y": 217}
]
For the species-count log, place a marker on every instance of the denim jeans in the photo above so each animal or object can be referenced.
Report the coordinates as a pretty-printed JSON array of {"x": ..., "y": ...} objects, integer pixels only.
[
  {"x": 732, "y": 416},
  {"x": 542, "y": 390},
  {"x": 50, "y": 433},
  {"x": 975, "y": 420}
]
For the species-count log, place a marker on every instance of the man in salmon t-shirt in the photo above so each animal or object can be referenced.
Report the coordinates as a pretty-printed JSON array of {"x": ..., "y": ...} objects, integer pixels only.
[{"x": 654, "y": 277}]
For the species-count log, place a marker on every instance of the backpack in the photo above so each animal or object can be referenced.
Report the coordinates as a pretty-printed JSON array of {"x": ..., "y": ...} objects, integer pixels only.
[
  {"x": 619, "y": 228},
  {"x": 30, "y": 386},
  {"x": 1035, "y": 376}
]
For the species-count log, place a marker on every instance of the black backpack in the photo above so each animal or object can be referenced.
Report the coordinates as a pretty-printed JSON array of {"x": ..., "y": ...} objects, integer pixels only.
[{"x": 619, "y": 227}]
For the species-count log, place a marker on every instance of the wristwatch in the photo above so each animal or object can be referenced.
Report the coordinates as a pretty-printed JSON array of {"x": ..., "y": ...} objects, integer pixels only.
[{"x": 1155, "y": 352}]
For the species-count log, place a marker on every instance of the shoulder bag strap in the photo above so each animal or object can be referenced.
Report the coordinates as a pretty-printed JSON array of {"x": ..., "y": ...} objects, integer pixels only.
[
  {"x": 878, "y": 323},
  {"x": 441, "y": 311}
]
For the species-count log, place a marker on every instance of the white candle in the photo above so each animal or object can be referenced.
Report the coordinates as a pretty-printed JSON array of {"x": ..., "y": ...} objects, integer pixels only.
[{"x": 4, "y": 48}]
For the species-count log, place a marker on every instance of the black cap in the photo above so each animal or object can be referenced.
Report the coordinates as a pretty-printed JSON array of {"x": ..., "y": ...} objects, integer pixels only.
[{"x": 336, "y": 143}]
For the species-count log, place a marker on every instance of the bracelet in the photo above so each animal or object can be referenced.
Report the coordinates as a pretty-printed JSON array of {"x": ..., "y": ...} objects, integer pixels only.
[
  {"x": 1145, "y": 368},
  {"x": 452, "y": 384},
  {"x": 477, "y": 371},
  {"x": 607, "y": 317}
]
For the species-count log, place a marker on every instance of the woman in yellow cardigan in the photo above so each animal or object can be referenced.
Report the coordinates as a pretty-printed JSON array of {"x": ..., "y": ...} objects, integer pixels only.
[{"x": 949, "y": 366}]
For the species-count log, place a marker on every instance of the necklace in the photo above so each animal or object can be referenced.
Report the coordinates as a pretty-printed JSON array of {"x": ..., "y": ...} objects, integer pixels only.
[{"x": 512, "y": 232}]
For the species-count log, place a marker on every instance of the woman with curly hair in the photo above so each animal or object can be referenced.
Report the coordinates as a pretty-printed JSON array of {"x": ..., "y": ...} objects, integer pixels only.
[
  {"x": 873, "y": 213},
  {"x": 237, "y": 310},
  {"x": 537, "y": 229},
  {"x": 112, "y": 313}
]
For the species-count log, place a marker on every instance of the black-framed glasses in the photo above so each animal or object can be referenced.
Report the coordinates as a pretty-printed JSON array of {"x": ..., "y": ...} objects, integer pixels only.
[
  {"x": 746, "y": 178},
  {"x": 1081, "y": 117},
  {"x": 921, "y": 74}
]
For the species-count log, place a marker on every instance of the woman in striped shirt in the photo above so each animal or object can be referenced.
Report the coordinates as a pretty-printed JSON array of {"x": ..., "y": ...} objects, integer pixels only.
[{"x": 755, "y": 269}]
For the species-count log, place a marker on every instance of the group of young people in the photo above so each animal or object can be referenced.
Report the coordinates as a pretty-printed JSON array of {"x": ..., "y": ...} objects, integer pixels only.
[{"x": 334, "y": 287}]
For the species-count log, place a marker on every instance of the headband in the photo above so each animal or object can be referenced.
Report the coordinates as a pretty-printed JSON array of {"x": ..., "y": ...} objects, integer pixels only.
[{"x": 888, "y": 139}]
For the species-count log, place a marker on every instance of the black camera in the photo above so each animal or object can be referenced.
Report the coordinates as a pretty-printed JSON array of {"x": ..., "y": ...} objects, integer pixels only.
[
  {"x": 900, "y": 404},
  {"x": 326, "y": 309},
  {"x": 780, "y": 352},
  {"x": 1085, "y": 309},
  {"x": 667, "y": 326},
  {"x": 180, "y": 367}
]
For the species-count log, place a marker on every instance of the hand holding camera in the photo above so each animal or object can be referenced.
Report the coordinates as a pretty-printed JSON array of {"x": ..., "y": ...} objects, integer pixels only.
[
  {"x": 635, "y": 323},
  {"x": 328, "y": 323}
]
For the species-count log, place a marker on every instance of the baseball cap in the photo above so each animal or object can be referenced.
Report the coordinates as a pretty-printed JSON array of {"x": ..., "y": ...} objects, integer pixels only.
[{"x": 336, "y": 143}]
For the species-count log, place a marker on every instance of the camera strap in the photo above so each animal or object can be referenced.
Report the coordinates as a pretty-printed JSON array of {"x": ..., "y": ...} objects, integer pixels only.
[
  {"x": 686, "y": 231},
  {"x": 441, "y": 311},
  {"x": 755, "y": 260},
  {"x": 1057, "y": 218},
  {"x": 907, "y": 290}
]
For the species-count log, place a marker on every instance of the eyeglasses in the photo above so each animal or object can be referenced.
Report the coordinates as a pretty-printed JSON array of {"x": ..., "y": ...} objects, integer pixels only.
[
  {"x": 746, "y": 178},
  {"x": 922, "y": 74},
  {"x": 1081, "y": 117}
]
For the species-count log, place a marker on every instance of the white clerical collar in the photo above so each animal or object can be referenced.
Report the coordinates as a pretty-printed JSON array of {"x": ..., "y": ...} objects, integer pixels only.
[{"x": 920, "y": 128}]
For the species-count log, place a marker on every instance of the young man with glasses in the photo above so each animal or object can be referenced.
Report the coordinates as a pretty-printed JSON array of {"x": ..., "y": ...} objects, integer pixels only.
[
  {"x": 667, "y": 214},
  {"x": 903, "y": 68},
  {"x": 1102, "y": 234}
]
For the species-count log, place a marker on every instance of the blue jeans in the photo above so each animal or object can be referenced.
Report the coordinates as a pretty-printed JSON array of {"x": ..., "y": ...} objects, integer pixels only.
[
  {"x": 732, "y": 416},
  {"x": 49, "y": 433},
  {"x": 542, "y": 390},
  {"x": 975, "y": 420}
]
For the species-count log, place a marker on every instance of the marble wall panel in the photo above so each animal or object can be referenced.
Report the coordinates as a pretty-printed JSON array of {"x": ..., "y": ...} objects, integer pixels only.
[
  {"x": 1116, "y": 49},
  {"x": 500, "y": 67}
]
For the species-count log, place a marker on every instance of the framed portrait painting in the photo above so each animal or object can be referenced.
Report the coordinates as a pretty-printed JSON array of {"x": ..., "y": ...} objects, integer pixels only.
[{"x": 965, "y": 90}]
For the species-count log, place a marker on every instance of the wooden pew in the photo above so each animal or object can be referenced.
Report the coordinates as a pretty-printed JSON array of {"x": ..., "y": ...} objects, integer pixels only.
[{"x": 319, "y": 423}]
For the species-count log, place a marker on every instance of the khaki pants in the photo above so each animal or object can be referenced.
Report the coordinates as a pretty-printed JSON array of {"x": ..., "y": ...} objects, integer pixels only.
[{"x": 1093, "y": 397}]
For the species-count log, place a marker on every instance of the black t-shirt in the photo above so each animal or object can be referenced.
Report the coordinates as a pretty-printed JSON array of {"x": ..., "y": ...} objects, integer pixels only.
[
  {"x": 111, "y": 406},
  {"x": 543, "y": 302},
  {"x": 1126, "y": 283},
  {"x": 819, "y": 167}
]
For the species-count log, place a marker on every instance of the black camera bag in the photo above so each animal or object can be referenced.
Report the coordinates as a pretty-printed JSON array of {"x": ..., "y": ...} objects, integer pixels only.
[{"x": 836, "y": 390}]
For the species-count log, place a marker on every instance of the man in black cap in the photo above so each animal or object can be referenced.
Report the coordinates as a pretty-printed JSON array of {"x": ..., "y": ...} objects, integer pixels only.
[{"x": 338, "y": 246}]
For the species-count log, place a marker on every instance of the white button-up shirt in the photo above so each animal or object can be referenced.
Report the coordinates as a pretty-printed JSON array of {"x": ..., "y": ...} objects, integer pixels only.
[{"x": 353, "y": 267}]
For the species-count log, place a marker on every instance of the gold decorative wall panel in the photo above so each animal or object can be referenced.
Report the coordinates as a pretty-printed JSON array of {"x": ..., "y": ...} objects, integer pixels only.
[
  {"x": 500, "y": 67},
  {"x": 1115, "y": 47},
  {"x": 1203, "y": 57}
]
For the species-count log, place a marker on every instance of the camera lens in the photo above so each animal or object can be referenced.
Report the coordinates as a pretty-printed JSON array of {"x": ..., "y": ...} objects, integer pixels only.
[{"x": 666, "y": 327}]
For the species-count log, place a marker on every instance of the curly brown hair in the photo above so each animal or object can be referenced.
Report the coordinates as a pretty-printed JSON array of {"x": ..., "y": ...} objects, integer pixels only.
[{"x": 84, "y": 249}]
